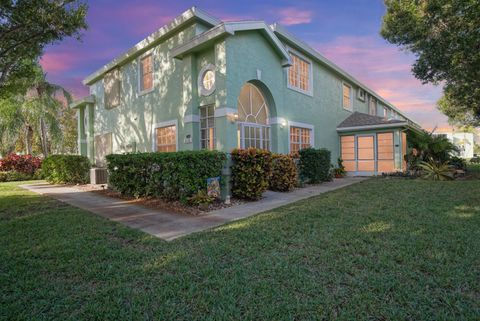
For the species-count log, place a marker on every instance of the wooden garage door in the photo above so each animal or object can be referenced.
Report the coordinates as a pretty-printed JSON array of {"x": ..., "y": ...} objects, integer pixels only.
[
  {"x": 366, "y": 153},
  {"x": 386, "y": 161},
  {"x": 348, "y": 152}
]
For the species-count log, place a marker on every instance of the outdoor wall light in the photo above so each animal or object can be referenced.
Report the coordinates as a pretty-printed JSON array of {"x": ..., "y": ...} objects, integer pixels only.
[
  {"x": 233, "y": 117},
  {"x": 283, "y": 123}
]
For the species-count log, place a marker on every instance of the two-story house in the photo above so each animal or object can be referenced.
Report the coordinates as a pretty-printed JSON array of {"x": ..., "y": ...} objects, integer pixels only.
[{"x": 200, "y": 83}]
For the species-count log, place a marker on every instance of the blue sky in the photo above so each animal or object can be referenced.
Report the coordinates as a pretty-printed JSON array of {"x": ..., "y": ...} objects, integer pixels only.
[{"x": 346, "y": 32}]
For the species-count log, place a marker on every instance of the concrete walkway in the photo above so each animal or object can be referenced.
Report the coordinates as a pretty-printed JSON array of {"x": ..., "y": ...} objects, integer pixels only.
[{"x": 169, "y": 226}]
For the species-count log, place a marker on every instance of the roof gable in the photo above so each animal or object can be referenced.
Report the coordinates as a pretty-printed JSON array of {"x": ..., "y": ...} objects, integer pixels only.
[{"x": 228, "y": 29}]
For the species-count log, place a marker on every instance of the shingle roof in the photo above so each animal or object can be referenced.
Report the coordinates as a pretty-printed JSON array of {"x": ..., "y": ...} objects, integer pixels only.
[{"x": 360, "y": 119}]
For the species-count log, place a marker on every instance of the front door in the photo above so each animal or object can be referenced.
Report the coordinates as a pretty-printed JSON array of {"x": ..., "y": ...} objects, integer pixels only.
[{"x": 366, "y": 154}]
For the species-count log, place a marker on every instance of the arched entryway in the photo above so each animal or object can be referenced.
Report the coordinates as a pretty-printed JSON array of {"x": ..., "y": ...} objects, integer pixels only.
[{"x": 253, "y": 118}]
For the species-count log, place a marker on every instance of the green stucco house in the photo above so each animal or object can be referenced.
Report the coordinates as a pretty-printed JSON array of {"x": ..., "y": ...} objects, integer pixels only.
[{"x": 200, "y": 83}]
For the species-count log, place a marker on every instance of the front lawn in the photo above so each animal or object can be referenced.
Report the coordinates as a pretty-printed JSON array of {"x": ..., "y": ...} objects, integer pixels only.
[{"x": 384, "y": 249}]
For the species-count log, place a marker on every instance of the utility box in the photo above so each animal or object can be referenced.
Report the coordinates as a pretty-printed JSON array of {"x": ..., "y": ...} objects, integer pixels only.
[{"x": 98, "y": 175}]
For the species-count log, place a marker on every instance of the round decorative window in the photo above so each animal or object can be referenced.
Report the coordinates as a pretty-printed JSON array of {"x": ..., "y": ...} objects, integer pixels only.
[{"x": 206, "y": 80}]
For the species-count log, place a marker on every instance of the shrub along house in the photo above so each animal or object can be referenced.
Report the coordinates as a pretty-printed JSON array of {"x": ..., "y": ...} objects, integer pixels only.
[{"x": 200, "y": 83}]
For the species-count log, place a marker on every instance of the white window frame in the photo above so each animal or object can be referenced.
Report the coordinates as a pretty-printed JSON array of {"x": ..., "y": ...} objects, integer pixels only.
[
  {"x": 375, "y": 101},
  {"x": 161, "y": 125},
  {"x": 140, "y": 75},
  {"x": 359, "y": 97},
  {"x": 202, "y": 90},
  {"x": 301, "y": 125},
  {"x": 214, "y": 126},
  {"x": 350, "y": 108},
  {"x": 308, "y": 92}
]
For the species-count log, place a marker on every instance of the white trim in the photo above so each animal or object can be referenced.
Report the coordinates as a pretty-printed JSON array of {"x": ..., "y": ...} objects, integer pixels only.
[
  {"x": 90, "y": 99},
  {"x": 191, "y": 119},
  {"x": 201, "y": 89},
  {"x": 224, "y": 111},
  {"x": 228, "y": 29},
  {"x": 164, "y": 124},
  {"x": 141, "y": 92},
  {"x": 308, "y": 92},
  {"x": 344, "y": 83},
  {"x": 359, "y": 90},
  {"x": 276, "y": 121},
  {"x": 355, "y": 128},
  {"x": 154, "y": 39},
  {"x": 311, "y": 127}
]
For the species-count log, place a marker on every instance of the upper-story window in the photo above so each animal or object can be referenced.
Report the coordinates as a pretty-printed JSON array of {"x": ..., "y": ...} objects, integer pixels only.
[
  {"x": 206, "y": 80},
  {"x": 361, "y": 94},
  {"x": 300, "y": 74},
  {"x": 385, "y": 112},
  {"x": 146, "y": 73},
  {"x": 112, "y": 88},
  {"x": 372, "y": 106},
  {"x": 347, "y": 97}
]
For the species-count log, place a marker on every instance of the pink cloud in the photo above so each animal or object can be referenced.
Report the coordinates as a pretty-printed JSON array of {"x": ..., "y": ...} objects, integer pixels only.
[
  {"x": 294, "y": 16},
  {"x": 55, "y": 62},
  {"x": 386, "y": 70}
]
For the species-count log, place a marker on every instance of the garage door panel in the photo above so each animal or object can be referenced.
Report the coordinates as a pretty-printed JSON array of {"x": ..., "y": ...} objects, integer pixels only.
[
  {"x": 366, "y": 154},
  {"x": 366, "y": 166},
  {"x": 349, "y": 166},
  {"x": 385, "y": 166}
]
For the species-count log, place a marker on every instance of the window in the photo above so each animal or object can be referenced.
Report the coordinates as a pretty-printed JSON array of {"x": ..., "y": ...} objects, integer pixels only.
[
  {"x": 206, "y": 80},
  {"x": 253, "y": 128},
  {"x": 111, "y": 84},
  {"x": 299, "y": 138},
  {"x": 361, "y": 94},
  {"x": 347, "y": 97},
  {"x": 166, "y": 138},
  {"x": 299, "y": 74},
  {"x": 372, "y": 106},
  {"x": 207, "y": 127},
  {"x": 385, "y": 112},
  {"x": 146, "y": 73}
]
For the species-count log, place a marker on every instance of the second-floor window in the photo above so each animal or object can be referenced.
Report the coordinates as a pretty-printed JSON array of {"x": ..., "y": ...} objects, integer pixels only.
[
  {"x": 372, "y": 106},
  {"x": 299, "y": 74},
  {"x": 146, "y": 73},
  {"x": 347, "y": 97}
]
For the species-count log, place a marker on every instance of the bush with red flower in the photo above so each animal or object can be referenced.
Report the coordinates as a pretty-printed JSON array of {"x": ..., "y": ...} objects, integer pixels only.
[{"x": 19, "y": 167}]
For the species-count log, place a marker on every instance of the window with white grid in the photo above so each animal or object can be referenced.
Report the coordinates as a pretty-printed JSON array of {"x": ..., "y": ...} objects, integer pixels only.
[{"x": 300, "y": 138}]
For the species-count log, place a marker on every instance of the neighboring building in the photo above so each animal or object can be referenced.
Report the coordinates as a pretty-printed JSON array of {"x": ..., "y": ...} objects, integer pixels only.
[
  {"x": 200, "y": 83},
  {"x": 463, "y": 140}
]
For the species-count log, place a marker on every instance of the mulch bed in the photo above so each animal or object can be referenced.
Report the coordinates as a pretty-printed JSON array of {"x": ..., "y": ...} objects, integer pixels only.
[{"x": 159, "y": 204}]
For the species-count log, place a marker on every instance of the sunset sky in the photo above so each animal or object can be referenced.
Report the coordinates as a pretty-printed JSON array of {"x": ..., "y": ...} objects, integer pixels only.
[{"x": 346, "y": 32}]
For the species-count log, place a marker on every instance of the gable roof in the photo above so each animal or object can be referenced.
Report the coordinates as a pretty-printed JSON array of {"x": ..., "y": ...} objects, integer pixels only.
[
  {"x": 230, "y": 28},
  {"x": 365, "y": 121},
  {"x": 165, "y": 31}
]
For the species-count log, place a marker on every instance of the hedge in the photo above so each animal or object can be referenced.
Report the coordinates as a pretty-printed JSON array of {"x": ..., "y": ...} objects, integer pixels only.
[
  {"x": 66, "y": 169},
  {"x": 173, "y": 176},
  {"x": 284, "y": 173},
  {"x": 25, "y": 164},
  {"x": 251, "y": 171},
  {"x": 314, "y": 165}
]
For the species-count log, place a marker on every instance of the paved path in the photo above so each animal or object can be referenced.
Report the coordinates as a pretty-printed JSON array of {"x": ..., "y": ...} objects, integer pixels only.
[{"x": 169, "y": 226}]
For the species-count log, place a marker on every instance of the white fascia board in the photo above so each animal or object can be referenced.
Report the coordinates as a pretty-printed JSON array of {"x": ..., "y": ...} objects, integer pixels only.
[
  {"x": 230, "y": 28},
  {"x": 278, "y": 29},
  {"x": 90, "y": 99},
  {"x": 368, "y": 127},
  {"x": 152, "y": 39}
]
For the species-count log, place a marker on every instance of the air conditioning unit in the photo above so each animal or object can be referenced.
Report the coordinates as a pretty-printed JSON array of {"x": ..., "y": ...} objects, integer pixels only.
[{"x": 98, "y": 175}]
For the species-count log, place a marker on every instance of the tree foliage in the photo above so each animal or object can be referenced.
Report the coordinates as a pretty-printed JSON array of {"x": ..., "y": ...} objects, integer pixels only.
[
  {"x": 27, "y": 26},
  {"x": 445, "y": 37}
]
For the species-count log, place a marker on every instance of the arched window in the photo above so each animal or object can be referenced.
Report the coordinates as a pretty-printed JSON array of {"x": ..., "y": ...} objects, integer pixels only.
[{"x": 253, "y": 128}]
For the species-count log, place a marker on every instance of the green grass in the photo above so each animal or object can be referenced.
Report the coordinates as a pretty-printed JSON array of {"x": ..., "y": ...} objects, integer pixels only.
[{"x": 384, "y": 249}]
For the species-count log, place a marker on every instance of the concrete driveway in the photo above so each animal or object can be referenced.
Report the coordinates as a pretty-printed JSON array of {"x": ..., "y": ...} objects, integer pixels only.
[{"x": 169, "y": 226}]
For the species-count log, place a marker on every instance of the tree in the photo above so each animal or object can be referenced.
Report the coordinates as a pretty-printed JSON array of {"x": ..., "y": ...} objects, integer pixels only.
[
  {"x": 27, "y": 26},
  {"x": 39, "y": 118},
  {"x": 445, "y": 38}
]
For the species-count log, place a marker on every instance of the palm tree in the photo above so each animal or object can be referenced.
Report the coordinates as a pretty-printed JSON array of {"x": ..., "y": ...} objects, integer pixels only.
[
  {"x": 430, "y": 146},
  {"x": 41, "y": 113}
]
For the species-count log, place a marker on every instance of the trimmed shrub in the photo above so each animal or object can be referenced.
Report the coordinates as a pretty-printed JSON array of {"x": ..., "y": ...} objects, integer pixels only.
[
  {"x": 12, "y": 176},
  {"x": 314, "y": 165},
  {"x": 66, "y": 169},
  {"x": 251, "y": 171},
  {"x": 173, "y": 176},
  {"x": 284, "y": 173},
  {"x": 458, "y": 163},
  {"x": 26, "y": 164}
]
